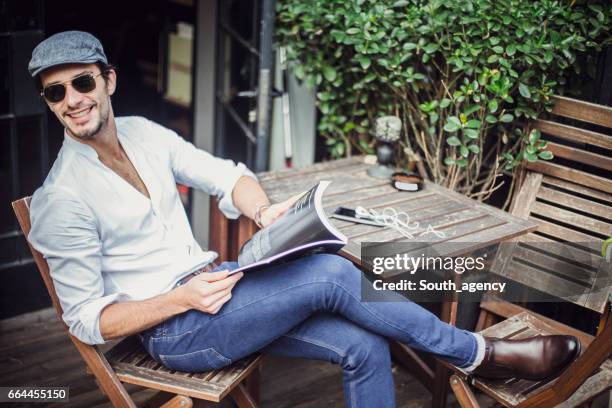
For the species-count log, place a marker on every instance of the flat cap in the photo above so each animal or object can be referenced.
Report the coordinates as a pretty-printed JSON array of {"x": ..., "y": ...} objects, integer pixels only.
[{"x": 68, "y": 47}]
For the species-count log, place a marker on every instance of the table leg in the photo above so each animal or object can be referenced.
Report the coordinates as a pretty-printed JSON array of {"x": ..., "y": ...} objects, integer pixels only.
[
  {"x": 440, "y": 386},
  {"x": 219, "y": 232}
]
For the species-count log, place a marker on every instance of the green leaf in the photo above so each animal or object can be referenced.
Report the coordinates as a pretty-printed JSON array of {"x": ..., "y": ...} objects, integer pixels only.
[
  {"x": 492, "y": 58},
  {"x": 473, "y": 124},
  {"x": 464, "y": 151},
  {"x": 524, "y": 91},
  {"x": 444, "y": 103},
  {"x": 534, "y": 136},
  {"x": 453, "y": 141},
  {"x": 474, "y": 148},
  {"x": 401, "y": 3},
  {"x": 453, "y": 124},
  {"x": 299, "y": 72},
  {"x": 471, "y": 110},
  {"x": 364, "y": 61},
  {"x": 409, "y": 46},
  {"x": 493, "y": 105},
  {"x": 340, "y": 149},
  {"x": 531, "y": 157},
  {"x": 462, "y": 162},
  {"x": 506, "y": 118},
  {"x": 430, "y": 48},
  {"x": 491, "y": 119},
  {"x": 511, "y": 49},
  {"x": 330, "y": 74},
  {"x": 471, "y": 133},
  {"x": 353, "y": 30},
  {"x": 449, "y": 161},
  {"x": 331, "y": 142},
  {"x": 548, "y": 57},
  {"x": 545, "y": 155}
]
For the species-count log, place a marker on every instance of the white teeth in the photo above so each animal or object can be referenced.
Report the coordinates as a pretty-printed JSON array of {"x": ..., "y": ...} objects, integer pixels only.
[{"x": 80, "y": 114}]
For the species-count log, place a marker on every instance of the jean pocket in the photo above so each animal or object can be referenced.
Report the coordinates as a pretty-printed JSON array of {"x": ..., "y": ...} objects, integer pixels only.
[{"x": 196, "y": 361}]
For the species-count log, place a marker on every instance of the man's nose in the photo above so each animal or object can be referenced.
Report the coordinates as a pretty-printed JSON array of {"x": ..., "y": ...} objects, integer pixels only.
[{"x": 73, "y": 97}]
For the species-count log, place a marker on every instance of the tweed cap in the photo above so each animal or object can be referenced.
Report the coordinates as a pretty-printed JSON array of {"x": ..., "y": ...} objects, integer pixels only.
[{"x": 68, "y": 47}]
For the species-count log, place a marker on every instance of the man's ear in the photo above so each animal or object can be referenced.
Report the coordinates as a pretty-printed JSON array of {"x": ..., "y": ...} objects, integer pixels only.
[{"x": 111, "y": 82}]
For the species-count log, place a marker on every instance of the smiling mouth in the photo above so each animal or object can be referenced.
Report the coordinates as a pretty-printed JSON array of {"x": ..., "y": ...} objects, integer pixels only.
[{"x": 80, "y": 113}]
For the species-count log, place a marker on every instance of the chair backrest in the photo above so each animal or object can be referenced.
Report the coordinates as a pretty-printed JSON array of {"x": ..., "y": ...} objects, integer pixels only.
[
  {"x": 582, "y": 155},
  {"x": 92, "y": 356},
  {"x": 570, "y": 198}
]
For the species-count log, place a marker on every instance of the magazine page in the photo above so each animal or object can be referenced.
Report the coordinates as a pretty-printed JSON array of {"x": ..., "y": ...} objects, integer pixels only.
[{"x": 303, "y": 226}]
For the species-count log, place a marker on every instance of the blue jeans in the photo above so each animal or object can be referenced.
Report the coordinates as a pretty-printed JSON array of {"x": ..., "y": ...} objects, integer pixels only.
[{"x": 309, "y": 308}]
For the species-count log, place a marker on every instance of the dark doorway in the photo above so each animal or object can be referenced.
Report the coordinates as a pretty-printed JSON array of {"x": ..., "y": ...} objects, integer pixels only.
[{"x": 135, "y": 37}]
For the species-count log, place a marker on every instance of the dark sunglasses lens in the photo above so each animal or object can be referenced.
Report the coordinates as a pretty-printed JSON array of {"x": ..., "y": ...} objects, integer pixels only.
[
  {"x": 84, "y": 83},
  {"x": 55, "y": 93}
]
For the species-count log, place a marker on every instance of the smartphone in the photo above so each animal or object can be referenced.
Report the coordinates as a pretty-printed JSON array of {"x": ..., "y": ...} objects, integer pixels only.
[{"x": 348, "y": 214}]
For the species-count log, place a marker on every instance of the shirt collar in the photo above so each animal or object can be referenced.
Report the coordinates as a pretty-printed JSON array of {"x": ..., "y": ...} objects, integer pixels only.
[{"x": 84, "y": 149}]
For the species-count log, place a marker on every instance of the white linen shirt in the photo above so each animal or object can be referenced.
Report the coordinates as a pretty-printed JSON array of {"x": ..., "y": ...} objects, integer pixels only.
[{"x": 105, "y": 241}]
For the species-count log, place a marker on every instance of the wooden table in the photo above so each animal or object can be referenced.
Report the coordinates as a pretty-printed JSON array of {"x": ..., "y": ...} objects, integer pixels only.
[{"x": 466, "y": 223}]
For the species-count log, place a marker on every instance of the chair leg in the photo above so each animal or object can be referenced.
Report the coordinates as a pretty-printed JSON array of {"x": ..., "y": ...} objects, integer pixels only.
[
  {"x": 178, "y": 401},
  {"x": 464, "y": 394},
  {"x": 242, "y": 398}
]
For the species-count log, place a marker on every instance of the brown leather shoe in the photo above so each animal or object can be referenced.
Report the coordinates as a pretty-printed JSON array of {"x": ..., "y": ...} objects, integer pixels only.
[{"x": 534, "y": 358}]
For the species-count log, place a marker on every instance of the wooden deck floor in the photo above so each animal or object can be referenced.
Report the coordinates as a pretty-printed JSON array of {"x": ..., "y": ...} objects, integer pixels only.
[{"x": 34, "y": 350}]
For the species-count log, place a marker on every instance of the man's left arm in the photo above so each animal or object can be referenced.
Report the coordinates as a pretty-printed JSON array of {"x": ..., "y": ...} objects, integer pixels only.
[
  {"x": 234, "y": 184},
  {"x": 253, "y": 202}
]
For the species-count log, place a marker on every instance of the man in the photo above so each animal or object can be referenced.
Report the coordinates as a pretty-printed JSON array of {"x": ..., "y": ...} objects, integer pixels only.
[{"x": 124, "y": 261}]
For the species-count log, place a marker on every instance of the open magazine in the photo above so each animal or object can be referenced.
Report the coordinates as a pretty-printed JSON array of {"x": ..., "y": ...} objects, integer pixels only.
[{"x": 302, "y": 229}]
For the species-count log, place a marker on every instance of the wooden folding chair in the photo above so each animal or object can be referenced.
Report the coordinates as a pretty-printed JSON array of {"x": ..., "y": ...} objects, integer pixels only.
[
  {"x": 128, "y": 361},
  {"x": 571, "y": 202}
]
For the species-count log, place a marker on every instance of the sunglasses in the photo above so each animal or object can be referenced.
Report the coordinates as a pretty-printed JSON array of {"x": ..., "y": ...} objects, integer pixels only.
[{"x": 83, "y": 83}]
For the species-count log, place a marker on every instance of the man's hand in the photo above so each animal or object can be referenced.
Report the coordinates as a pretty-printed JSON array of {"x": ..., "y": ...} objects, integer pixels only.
[
  {"x": 209, "y": 291},
  {"x": 270, "y": 214}
]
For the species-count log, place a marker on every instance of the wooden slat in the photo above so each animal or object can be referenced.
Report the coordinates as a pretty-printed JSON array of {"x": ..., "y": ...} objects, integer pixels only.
[
  {"x": 574, "y": 134},
  {"x": 585, "y": 275},
  {"x": 566, "y": 251},
  {"x": 524, "y": 199},
  {"x": 571, "y": 218},
  {"x": 569, "y": 235},
  {"x": 507, "y": 328},
  {"x": 279, "y": 189},
  {"x": 547, "y": 283},
  {"x": 578, "y": 203},
  {"x": 584, "y": 111},
  {"x": 577, "y": 188},
  {"x": 582, "y": 156},
  {"x": 133, "y": 365},
  {"x": 333, "y": 165},
  {"x": 577, "y": 176}
]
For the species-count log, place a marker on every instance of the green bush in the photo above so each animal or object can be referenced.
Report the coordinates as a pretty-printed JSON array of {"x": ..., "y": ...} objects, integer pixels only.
[{"x": 461, "y": 74}]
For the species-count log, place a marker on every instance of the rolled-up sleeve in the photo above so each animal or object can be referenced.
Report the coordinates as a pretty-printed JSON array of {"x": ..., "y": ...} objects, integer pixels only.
[
  {"x": 65, "y": 232},
  {"x": 199, "y": 169}
]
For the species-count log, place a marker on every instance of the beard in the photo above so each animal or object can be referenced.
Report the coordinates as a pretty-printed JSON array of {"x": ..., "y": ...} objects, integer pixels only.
[{"x": 89, "y": 134}]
